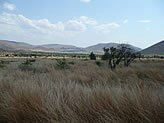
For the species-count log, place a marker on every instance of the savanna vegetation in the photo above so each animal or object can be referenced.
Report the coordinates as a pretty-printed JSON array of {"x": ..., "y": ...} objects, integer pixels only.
[{"x": 42, "y": 90}]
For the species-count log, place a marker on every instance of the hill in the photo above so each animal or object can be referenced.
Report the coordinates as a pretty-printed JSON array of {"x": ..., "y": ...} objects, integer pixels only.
[
  {"x": 157, "y": 48},
  {"x": 99, "y": 47},
  {"x": 63, "y": 48},
  {"x": 12, "y": 45},
  {"x": 59, "y": 48}
]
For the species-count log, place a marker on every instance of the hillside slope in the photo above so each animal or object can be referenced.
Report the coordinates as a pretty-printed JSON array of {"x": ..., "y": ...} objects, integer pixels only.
[
  {"x": 99, "y": 47},
  {"x": 12, "y": 45},
  {"x": 59, "y": 48},
  {"x": 157, "y": 48}
]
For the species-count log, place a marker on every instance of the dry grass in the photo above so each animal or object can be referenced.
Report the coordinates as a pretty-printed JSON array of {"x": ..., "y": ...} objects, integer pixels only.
[{"x": 84, "y": 93}]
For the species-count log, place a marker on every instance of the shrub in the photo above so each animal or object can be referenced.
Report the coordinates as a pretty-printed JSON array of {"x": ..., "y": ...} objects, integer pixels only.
[
  {"x": 92, "y": 56},
  {"x": 26, "y": 66},
  {"x": 106, "y": 54},
  {"x": 62, "y": 63},
  {"x": 3, "y": 63}
]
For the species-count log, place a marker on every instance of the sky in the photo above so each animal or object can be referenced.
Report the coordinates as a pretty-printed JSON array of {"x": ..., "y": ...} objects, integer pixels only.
[{"x": 82, "y": 22}]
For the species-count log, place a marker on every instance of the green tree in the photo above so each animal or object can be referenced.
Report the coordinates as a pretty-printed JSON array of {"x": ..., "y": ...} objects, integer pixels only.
[
  {"x": 92, "y": 56},
  {"x": 116, "y": 55},
  {"x": 106, "y": 55}
]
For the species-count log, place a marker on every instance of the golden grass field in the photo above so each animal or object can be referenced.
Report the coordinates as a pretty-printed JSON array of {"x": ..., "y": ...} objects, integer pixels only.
[{"x": 82, "y": 93}]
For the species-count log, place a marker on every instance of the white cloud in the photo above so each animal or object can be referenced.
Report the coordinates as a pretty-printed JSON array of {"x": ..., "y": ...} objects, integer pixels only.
[
  {"x": 144, "y": 21},
  {"x": 125, "y": 21},
  {"x": 9, "y": 6},
  {"x": 80, "y": 24},
  {"x": 19, "y": 27},
  {"x": 44, "y": 25},
  {"x": 106, "y": 28},
  {"x": 74, "y": 25},
  {"x": 87, "y": 20},
  {"x": 86, "y": 1}
]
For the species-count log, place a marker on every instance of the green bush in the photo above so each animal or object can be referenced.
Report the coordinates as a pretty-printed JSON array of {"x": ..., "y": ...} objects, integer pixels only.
[
  {"x": 62, "y": 64},
  {"x": 3, "y": 63},
  {"x": 92, "y": 56},
  {"x": 106, "y": 55},
  {"x": 26, "y": 66}
]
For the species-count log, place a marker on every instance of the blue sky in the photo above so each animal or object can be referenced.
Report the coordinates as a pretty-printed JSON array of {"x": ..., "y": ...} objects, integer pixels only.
[{"x": 82, "y": 22}]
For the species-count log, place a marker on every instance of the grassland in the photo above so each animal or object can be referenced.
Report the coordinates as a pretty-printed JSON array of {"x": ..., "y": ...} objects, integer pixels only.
[{"x": 81, "y": 92}]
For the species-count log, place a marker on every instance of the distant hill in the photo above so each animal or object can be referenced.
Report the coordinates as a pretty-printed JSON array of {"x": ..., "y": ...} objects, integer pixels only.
[
  {"x": 99, "y": 47},
  {"x": 155, "y": 49},
  {"x": 12, "y": 45},
  {"x": 63, "y": 48},
  {"x": 59, "y": 48}
]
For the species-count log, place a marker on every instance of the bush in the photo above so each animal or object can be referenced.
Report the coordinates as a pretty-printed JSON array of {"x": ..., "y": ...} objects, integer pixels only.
[
  {"x": 3, "y": 63},
  {"x": 62, "y": 64},
  {"x": 26, "y": 66},
  {"x": 92, "y": 56}
]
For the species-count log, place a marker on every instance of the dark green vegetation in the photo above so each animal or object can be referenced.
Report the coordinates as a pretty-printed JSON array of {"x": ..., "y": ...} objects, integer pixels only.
[
  {"x": 92, "y": 56},
  {"x": 116, "y": 55},
  {"x": 3, "y": 63}
]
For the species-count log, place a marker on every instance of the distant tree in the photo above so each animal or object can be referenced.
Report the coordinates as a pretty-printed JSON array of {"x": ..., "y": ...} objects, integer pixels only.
[
  {"x": 129, "y": 57},
  {"x": 139, "y": 55},
  {"x": 106, "y": 55},
  {"x": 116, "y": 55},
  {"x": 92, "y": 56}
]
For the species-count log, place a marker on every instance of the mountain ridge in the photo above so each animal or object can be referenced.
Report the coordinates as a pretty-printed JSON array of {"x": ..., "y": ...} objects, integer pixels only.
[
  {"x": 100, "y": 46},
  {"x": 61, "y": 48},
  {"x": 157, "y": 48}
]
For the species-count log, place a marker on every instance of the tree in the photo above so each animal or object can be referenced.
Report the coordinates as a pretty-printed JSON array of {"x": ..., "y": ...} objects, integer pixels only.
[
  {"x": 129, "y": 57},
  {"x": 92, "y": 56},
  {"x": 106, "y": 54},
  {"x": 116, "y": 55}
]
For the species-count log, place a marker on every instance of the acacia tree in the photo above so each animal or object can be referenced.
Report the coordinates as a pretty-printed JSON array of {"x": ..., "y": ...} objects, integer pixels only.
[
  {"x": 117, "y": 55},
  {"x": 113, "y": 58},
  {"x": 112, "y": 55},
  {"x": 106, "y": 54},
  {"x": 129, "y": 57}
]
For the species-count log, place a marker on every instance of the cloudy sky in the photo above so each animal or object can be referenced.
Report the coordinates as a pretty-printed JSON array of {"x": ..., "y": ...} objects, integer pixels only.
[{"x": 82, "y": 22}]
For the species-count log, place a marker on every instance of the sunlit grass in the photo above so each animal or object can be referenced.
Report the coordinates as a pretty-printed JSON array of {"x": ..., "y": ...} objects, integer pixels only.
[{"x": 84, "y": 93}]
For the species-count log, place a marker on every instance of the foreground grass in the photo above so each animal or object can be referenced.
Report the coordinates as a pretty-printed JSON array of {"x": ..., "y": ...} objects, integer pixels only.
[{"x": 84, "y": 93}]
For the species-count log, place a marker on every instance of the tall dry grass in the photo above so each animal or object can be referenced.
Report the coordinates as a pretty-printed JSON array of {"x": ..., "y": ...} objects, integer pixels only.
[{"x": 84, "y": 93}]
